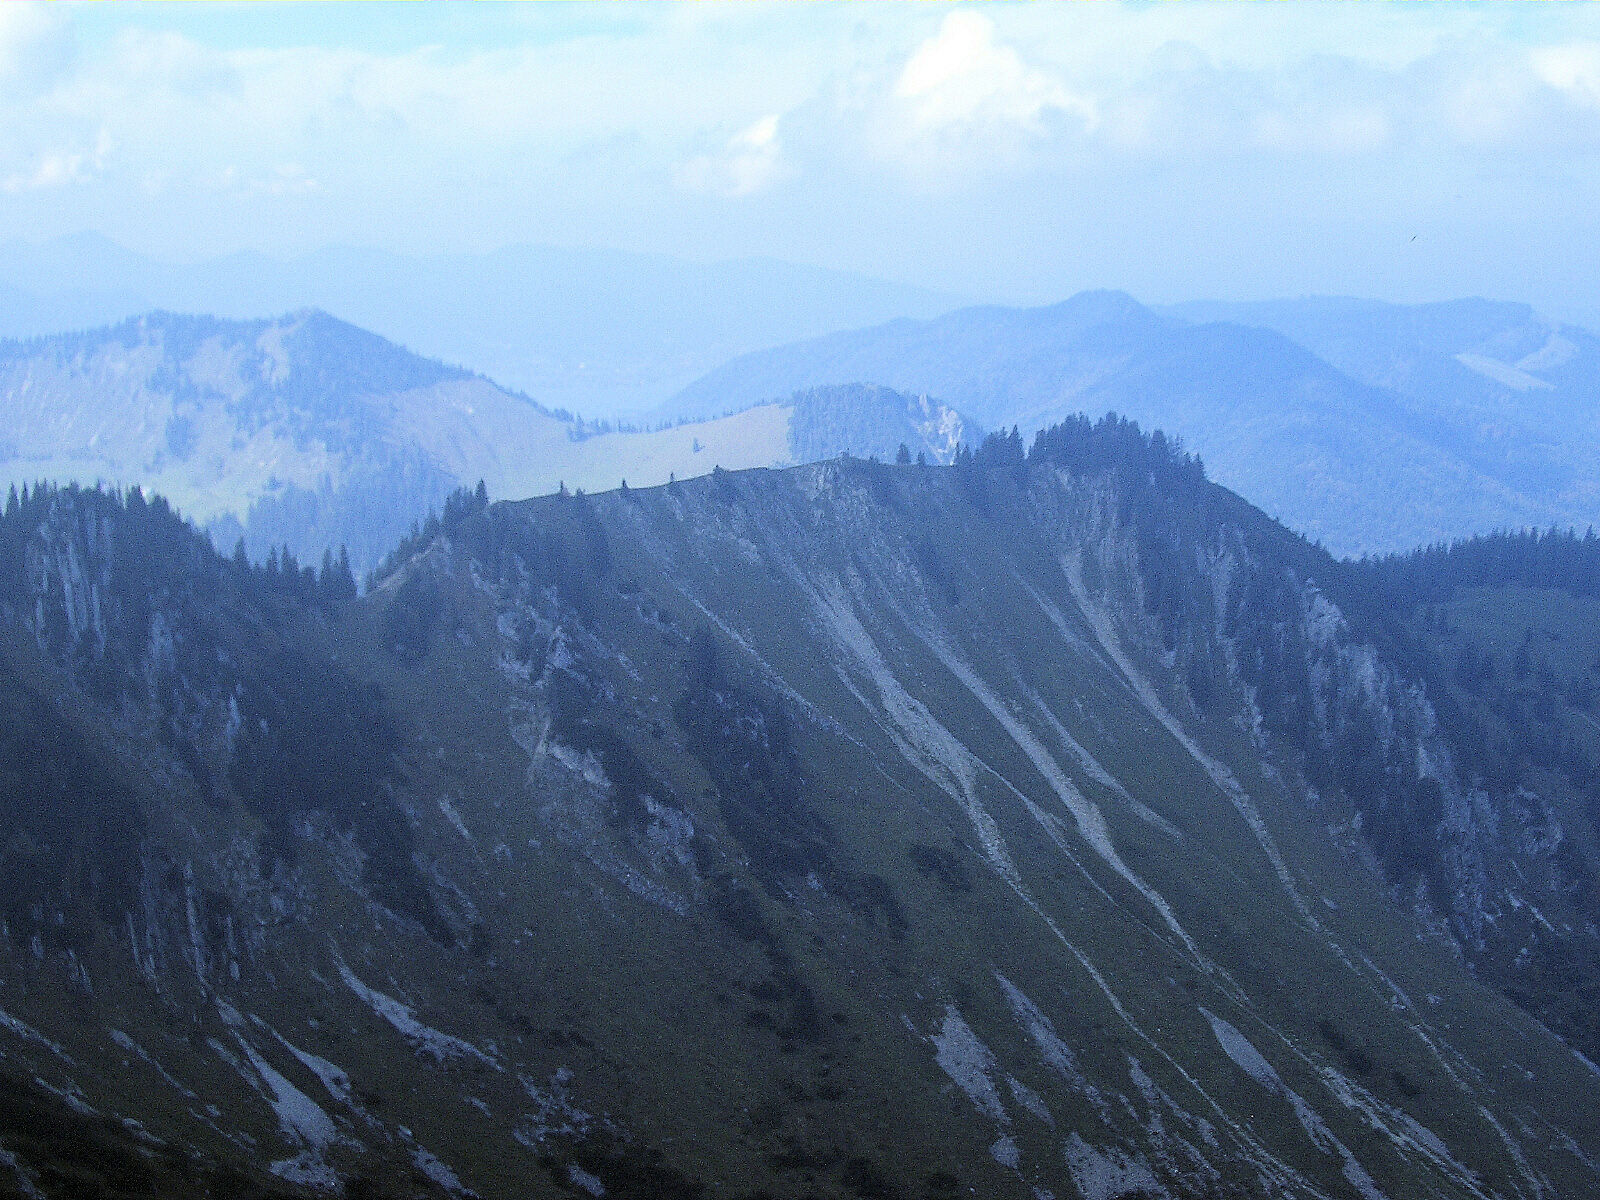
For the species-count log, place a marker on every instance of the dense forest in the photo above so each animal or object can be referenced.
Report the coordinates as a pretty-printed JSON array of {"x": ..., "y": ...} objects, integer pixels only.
[{"x": 1554, "y": 558}]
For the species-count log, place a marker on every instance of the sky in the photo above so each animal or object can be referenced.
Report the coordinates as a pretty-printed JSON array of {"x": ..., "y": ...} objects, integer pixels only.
[{"x": 1015, "y": 153}]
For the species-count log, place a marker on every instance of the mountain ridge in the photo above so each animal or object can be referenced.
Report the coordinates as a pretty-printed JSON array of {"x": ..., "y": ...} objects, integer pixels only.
[
  {"x": 850, "y": 829},
  {"x": 310, "y": 432},
  {"x": 600, "y": 332},
  {"x": 1340, "y": 450}
]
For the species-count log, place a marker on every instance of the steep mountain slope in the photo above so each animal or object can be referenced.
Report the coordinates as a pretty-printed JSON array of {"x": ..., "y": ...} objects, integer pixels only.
[
  {"x": 1346, "y": 460},
  {"x": 595, "y": 331},
  {"x": 310, "y": 432},
  {"x": 1504, "y": 633},
  {"x": 851, "y": 830}
]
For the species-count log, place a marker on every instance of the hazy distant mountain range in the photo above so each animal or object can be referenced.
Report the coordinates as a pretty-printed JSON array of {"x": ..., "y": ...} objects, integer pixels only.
[
  {"x": 601, "y": 332},
  {"x": 1368, "y": 426},
  {"x": 310, "y": 432}
]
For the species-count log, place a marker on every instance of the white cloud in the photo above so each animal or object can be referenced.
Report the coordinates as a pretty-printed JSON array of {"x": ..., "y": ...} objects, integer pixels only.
[
  {"x": 1339, "y": 129},
  {"x": 36, "y": 44},
  {"x": 1573, "y": 69},
  {"x": 284, "y": 179},
  {"x": 60, "y": 168},
  {"x": 53, "y": 170},
  {"x": 881, "y": 137},
  {"x": 751, "y": 161},
  {"x": 961, "y": 78}
]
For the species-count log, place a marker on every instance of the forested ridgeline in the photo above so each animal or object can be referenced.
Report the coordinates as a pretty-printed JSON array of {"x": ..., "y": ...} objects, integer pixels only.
[
  {"x": 155, "y": 545},
  {"x": 1560, "y": 559}
]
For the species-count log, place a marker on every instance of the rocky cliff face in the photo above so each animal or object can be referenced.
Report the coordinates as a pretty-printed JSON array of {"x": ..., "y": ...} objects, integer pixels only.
[{"x": 852, "y": 830}]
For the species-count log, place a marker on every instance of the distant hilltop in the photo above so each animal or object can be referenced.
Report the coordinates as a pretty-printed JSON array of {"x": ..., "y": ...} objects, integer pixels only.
[
  {"x": 1370, "y": 427},
  {"x": 309, "y": 432}
]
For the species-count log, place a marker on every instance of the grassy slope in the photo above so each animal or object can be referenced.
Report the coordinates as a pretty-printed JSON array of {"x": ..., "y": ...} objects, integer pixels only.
[
  {"x": 470, "y": 429},
  {"x": 784, "y": 1029},
  {"x": 876, "y": 804}
]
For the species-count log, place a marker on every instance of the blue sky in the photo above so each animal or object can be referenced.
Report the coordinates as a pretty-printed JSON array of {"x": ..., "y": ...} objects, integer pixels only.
[{"x": 997, "y": 151}]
